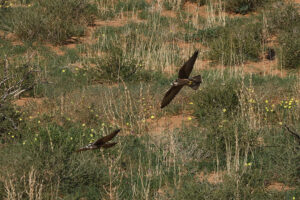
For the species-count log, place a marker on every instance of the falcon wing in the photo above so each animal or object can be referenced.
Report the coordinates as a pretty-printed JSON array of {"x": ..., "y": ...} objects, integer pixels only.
[
  {"x": 107, "y": 138},
  {"x": 187, "y": 68},
  {"x": 83, "y": 149},
  {"x": 169, "y": 96},
  {"x": 108, "y": 145}
]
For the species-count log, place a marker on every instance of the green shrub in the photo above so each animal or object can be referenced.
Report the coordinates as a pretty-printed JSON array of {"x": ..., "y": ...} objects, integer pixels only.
[
  {"x": 205, "y": 35},
  {"x": 238, "y": 42},
  {"x": 54, "y": 21},
  {"x": 243, "y": 6},
  {"x": 217, "y": 101},
  {"x": 130, "y": 5},
  {"x": 289, "y": 55},
  {"x": 117, "y": 65},
  {"x": 14, "y": 81},
  {"x": 283, "y": 17},
  {"x": 199, "y": 2},
  {"x": 9, "y": 122}
]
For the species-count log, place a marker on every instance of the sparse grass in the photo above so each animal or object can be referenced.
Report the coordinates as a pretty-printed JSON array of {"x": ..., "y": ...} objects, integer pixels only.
[{"x": 117, "y": 80}]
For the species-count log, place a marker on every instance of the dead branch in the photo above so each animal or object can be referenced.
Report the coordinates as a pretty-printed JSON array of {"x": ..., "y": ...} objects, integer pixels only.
[{"x": 293, "y": 133}]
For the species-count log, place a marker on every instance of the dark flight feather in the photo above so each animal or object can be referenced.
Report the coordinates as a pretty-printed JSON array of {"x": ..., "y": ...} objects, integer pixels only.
[
  {"x": 107, "y": 138},
  {"x": 169, "y": 96},
  {"x": 187, "y": 68},
  {"x": 102, "y": 142}
]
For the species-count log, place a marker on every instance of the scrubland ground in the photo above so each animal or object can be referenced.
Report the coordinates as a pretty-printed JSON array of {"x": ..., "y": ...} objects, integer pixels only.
[{"x": 74, "y": 70}]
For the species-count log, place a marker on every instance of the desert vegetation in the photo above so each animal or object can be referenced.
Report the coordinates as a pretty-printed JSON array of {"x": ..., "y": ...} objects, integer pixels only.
[{"x": 73, "y": 71}]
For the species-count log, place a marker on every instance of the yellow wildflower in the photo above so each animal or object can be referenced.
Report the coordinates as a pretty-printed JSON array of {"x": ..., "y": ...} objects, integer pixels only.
[
  {"x": 266, "y": 101},
  {"x": 12, "y": 136},
  {"x": 280, "y": 123},
  {"x": 83, "y": 125},
  {"x": 224, "y": 110},
  {"x": 39, "y": 122},
  {"x": 191, "y": 103},
  {"x": 20, "y": 119},
  {"x": 71, "y": 138},
  {"x": 152, "y": 117},
  {"x": 63, "y": 71},
  {"x": 190, "y": 118},
  {"x": 91, "y": 135}
]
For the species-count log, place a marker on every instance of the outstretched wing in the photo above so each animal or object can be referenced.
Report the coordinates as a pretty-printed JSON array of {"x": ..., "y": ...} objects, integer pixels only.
[
  {"x": 169, "y": 96},
  {"x": 107, "y": 138},
  {"x": 108, "y": 145},
  {"x": 87, "y": 147},
  {"x": 187, "y": 68}
]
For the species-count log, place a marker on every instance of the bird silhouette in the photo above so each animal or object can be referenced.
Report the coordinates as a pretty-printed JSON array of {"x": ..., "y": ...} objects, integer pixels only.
[
  {"x": 101, "y": 142},
  {"x": 183, "y": 79}
]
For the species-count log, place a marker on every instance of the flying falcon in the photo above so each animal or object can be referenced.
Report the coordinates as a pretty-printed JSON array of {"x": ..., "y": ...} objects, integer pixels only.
[
  {"x": 183, "y": 79},
  {"x": 102, "y": 142}
]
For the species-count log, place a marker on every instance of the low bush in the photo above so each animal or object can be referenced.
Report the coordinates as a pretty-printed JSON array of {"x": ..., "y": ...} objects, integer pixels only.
[
  {"x": 283, "y": 17},
  {"x": 130, "y": 5},
  {"x": 116, "y": 65},
  {"x": 244, "y": 6},
  {"x": 289, "y": 55},
  {"x": 216, "y": 101},
  {"x": 238, "y": 42},
  {"x": 54, "y": 21}
]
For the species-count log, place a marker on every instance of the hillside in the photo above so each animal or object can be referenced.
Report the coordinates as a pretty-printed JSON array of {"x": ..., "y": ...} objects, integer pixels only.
[{"x": 73, "y": 71}]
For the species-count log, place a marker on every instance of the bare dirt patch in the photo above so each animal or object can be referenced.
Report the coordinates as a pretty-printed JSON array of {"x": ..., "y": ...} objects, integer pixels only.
[
  {"x": 28, "y": 100},
  {"x": 170, "y": 123},
  {"x": 212, "y": 178},
  {"x": 194, "y": 9},
  {"x": 264, "y": 67},
  {"x": 11, "y": 37},
  {"x": 275, "y": 186},
  {"x": 168, "y": 13}
]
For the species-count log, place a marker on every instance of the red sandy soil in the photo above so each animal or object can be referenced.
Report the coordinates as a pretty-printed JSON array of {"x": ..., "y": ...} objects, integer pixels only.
[
  {"x": 28, "y": 100},
  {"x": 169, "y": 123},
  {"x": 275, "y": 186},
  {"x": 212, "y": 178}
]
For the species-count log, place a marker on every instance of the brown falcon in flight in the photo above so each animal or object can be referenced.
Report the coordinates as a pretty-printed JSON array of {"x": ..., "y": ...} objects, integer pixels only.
[
  {"x": 101, "y": 142},
  {"x": 183, "y": 79}
]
